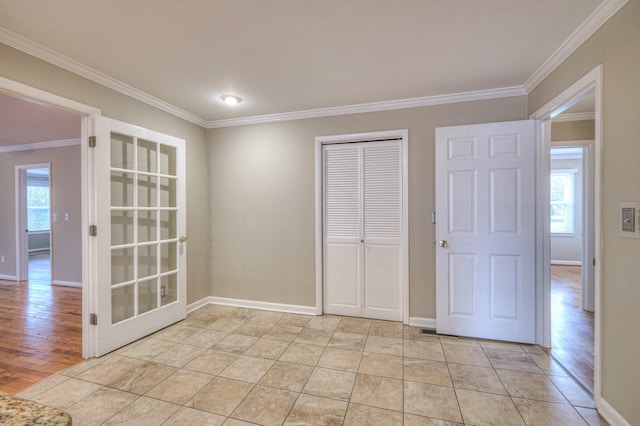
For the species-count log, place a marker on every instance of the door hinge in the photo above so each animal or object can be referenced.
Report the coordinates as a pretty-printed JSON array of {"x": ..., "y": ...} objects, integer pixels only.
[
  {"x": 594, "y": 261},
  {"x": 433, "y": 218},
  {"x": 93, "y": 319},
  {"x": 92, "y": 141},
  {"x": 93, "y": 230}
]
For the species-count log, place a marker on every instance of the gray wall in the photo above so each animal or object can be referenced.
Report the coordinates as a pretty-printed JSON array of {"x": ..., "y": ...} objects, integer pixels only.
[
  {"x": 573, "y": 130},
  {"x": 262, "y": 180},
  {"x": 616, "y": 45},
  {"x": 26, "y": 69},
  {"x": 39, "y": 241},
  {"x": 65, "y": 197}
]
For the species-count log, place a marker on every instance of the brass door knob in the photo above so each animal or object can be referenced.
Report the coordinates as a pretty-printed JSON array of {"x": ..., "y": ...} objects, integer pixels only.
[
  {"x": 183, "y": 238},
  {"x": 443, "y": 243}
]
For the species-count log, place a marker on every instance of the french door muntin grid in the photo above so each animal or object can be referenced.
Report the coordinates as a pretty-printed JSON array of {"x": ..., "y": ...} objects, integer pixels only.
[{"x": 148, "y": 200}]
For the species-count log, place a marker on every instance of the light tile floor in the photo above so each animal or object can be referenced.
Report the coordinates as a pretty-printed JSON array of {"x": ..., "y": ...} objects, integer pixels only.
[{"x": 235, "y": 366}]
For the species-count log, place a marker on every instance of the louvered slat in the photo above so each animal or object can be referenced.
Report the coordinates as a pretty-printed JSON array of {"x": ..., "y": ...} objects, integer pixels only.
[
  {"x": 341, "y": 185},
  {"x": 382, "y": 197}
]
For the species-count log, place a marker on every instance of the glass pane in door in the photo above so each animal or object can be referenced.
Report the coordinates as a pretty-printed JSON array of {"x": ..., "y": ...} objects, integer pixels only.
[
  {"x": 121, "y": 152},
  {"x": 143, "y": 226},
  {"x": 147, "y": 295},
  {"x": 170, "y": 285},
  {"x": 122, "y": 303},
  {"x": 167, "y": 160},
  {"x": 121, "y": 227},
  {"x": 147, "y": 226},
  {"x": 147, "y": 156},
  {"x": 168, "y": 228}
]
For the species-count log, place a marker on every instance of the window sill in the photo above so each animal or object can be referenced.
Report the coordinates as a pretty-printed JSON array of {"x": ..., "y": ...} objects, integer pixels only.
[{"x": 563, "y": 234}]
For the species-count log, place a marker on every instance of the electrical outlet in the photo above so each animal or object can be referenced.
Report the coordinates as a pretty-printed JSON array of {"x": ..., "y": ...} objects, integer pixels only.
[
  {"x": 163, "y": 291},
  {"x": 2, "y": 259}
]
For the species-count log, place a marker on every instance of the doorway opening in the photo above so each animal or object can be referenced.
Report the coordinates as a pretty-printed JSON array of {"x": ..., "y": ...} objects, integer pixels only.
[
  {"x": 35, "y": 183},
  {"x": 571, "y": 239},
  {"x": 41, "y": 268},
  {"x": 586, "y": 91}
]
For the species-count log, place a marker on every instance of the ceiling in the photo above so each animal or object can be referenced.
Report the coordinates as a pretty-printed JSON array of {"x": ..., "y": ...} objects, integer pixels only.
[
  {"x": 25, "y": 122},
  {"x": 290, "y": 55}
]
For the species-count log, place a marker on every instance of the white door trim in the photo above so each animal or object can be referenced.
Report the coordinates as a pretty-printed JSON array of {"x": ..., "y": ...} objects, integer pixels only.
[
  {"x": 402, "y": 134},
  {"x": 22, "y": 258},
  {"x": 592, "y": 81},
  {"x": 88, "y": 211}
]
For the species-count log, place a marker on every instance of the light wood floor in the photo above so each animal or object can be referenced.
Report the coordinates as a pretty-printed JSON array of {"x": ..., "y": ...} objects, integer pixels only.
[
  {"x": 571, "y": 326},
  {"x": 40, "y": 328}
]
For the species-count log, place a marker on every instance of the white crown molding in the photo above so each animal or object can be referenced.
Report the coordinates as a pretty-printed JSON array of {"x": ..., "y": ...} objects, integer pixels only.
[
  {"x": 39, "y": 145},
  {"x": 34, "y": 49},
  {"x": 577, "y": 116},
  {"x": 598, "y": 17},
  {"x": 478, "y": 95}
]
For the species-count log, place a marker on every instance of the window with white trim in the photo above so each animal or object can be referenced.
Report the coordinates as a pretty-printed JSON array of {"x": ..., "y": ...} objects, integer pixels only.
[
  {"x": 562, "y": 196},
  {"x": 38, "y": 196}
]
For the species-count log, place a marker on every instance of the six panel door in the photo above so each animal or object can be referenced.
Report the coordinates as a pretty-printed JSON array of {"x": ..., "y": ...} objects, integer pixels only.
[{"x": 485, "y": 254}]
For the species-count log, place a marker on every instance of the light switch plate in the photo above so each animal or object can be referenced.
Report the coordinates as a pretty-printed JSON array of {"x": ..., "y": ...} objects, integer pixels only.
[{"x": 628, "y": 219}]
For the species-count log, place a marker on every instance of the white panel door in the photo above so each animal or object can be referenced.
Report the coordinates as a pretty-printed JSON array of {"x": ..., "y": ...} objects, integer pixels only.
[
  {"x": 362, "y": 208},
  {"x": 382, "y": 229},
  {"x": 342, "y": 208},
  {"x": 141, "y": 268},
  {"x": 485, "y": 254}
]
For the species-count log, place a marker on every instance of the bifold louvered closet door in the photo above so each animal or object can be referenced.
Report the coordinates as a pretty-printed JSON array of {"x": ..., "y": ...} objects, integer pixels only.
[{"x": 362, "y": 209}]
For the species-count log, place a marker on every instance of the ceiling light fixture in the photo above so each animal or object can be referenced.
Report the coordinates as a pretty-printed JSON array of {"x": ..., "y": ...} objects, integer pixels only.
[{"x": 231, "y": 99}]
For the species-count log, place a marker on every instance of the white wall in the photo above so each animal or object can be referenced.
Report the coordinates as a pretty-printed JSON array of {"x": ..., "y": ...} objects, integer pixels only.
[{"x": 568, "y": 248}]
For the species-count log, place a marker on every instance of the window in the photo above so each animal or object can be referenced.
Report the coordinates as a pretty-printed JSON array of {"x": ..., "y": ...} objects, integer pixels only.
[
  {"x": 38, "y": 201},
  {"x": 563, "y": 183}
]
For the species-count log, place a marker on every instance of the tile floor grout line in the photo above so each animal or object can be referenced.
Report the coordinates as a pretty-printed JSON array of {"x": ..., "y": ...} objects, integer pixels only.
[{"x": 325, "y": 348}]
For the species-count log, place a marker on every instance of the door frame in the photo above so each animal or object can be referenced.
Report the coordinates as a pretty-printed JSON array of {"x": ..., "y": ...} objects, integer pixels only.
[
  {"x": 22, "y": 238},
  {"x": 403, "y": 135},
  {"x": 591, "y": 82},
  {"x": 87, "y": 194}
]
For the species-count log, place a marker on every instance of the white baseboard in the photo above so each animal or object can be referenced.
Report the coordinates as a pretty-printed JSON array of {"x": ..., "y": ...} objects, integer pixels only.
[
  {"x": 266, "y": 306},
  {"x": 567, "y": 262},
  {"x": 610, "y": 414},
  {"x": 66, "y": 283},
  {"x": 422, "y": 322},
  {"x": 198, "y": 304},
  {"x": 8, "y": 277}
]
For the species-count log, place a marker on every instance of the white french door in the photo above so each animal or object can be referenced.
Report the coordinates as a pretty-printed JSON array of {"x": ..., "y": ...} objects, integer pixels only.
[
  {"x": 141, "y": 251},
  {"x": 485, "y": 231},
  {"x": 362, "y": 229}
]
